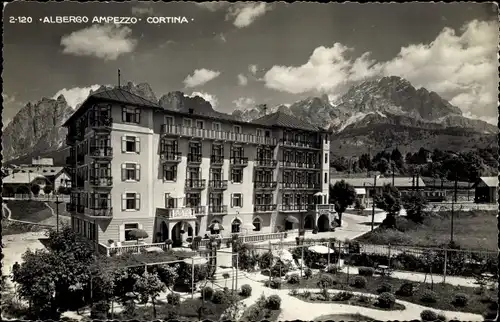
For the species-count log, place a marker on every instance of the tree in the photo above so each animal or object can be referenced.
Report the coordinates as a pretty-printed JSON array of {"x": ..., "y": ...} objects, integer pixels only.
[
  {"x": 383, "y": 165},
  {"x": 414, "y": 204},
  {"x": 365, "y": 161},
  {"x": 342, "y": 195},
  {"x": 47, "y": 189},
  {"x": 149, "y": 286},
  {"x": 390, "y": 201},
  {"x": 35, "y": 189}
]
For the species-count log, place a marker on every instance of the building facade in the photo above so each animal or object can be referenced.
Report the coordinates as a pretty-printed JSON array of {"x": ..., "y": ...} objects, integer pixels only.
[{"x": 177, "y": 173}]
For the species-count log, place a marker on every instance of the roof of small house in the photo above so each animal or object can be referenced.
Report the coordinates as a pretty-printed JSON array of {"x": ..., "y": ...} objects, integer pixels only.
[
  {"x": 20, "y": 178},
  {"x": 491, "y": 182},
  {"x": 49, "y": 171}
]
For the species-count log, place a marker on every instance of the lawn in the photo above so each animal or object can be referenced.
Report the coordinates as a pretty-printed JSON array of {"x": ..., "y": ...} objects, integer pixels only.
[
  {"x": 29, "y": 210},
  {"x": 475, "y": 230},
  {"x": 445, "y": 293},
  {"x": 62, "y": 208}
]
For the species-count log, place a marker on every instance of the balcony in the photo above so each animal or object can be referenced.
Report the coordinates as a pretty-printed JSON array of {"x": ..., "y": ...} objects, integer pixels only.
[
  {"x": 196, "y": 184},
  {"x": 291, "y": 208},
  {"x": 171, "y": 157},
  {"x": 300, "y": 165},
  {"x": 265, "y": 185},
  {"x": 266, "y": 163},
  {"x": 218, "y": 184},
  {"x": 217, "y": 210},
  {"x": 302, "y": 186},
  {"x": 176, "y": 130},
  {"x": 101, "y": 152},
  {"x": 99, "y": 212},
  {"x": 264, "y": 208},
  {"x": 101, "y": 182},
  {"x": 178, "y": 213},
  {"x": 300, "y": 144},
  {"x": 102, "y": 124},
  {"x": 217, "y": 160},
  {"x": 239, "y": 161},
  {"x": 320, "y": 208},
  {"x": 194, "y": 158}
]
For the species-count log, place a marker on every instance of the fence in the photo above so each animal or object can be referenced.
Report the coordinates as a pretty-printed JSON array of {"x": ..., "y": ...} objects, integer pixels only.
[{"x": 63, "y": 198}]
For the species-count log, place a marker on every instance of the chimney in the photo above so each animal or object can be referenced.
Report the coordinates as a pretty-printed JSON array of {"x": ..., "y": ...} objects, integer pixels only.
[
  {"x": 265, "y": 109},
  {"x": 119, "y": 74}
]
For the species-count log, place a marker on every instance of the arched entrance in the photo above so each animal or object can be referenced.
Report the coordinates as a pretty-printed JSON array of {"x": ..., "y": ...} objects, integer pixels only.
[
  {"x": 235, "y": 226},
  {"x": 308, "y": 222},
  {"x": 323, "y": 223},
  {"x": 164, "y": 231},
  {"x": 179, "y": 231}
]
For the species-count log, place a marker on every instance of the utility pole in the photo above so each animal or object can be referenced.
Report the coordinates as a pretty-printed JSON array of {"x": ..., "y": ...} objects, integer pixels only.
[
  {"x": 392, "y": 164},
  {"x": 373, "y": 200},
  {"x": 58, "y": 202},
  {"x": 453, "y": 206}
]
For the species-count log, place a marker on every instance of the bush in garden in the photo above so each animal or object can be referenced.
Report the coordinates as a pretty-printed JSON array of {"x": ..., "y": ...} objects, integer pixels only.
[
  {"x": 276, "y": 283},
  {"x": 306, "y": 294},
  {"x": 273, "y": 302},
  {"x": 326, "y": 281},
  {"x": 359, "y": 282},
  {"x": 173, "y": 298},
  {"x": 99, "y": 310},
  {"x": 386, "y": 300},
  {"x": 308, "y": 273},
  {"x": 441, "y": 317},
  {"x": 366, "y": 271},
  {"x": 220, "y": 297},
  {"x": 364, "y": 299},
  {"x": 207, "y": 292},
  {"x": 265, "y": 260},
  {"x": 429, "y": 296},
  {"x": 332, "y": 269},
  {"x": 246, "y": 290},
  {"x": 428, "y": 315},
  {"x": 406, "y": 289},
  {"x": 343, "y": 296},
  {"x": 294, "y": 279},
  {"x": 460, "y": 300},
  {"x": 384, "y": 287}
]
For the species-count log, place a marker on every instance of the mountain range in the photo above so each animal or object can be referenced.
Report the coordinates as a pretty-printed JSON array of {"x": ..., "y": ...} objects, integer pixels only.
[{"x": 373, "y": 115}]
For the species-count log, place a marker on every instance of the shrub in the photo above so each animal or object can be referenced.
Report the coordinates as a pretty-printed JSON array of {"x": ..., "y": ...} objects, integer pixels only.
[
  {"x": 293, "y": 292},
  {"x": 429, "y": 296},
  {"x": 306, "y": 294},
  {"x": 307, "y": 273},
  {"x": 99, "y": 310},
  {"x": 386, "y": 300},
  {"x": 366, "y": 271},
  {"x": 273, "y": 302},
  {"x": 47, "y": 189},
  {"x": 428, "y": 315},
  {"x": 325, "y": 281},
  {"x": 384, "y": 287},
  {"x": 441, "y": 317},
  {"x": 173, "y": 298},
  {"x": 359, "y": 282},
  {"x": 207, "y": 292},
  {"x": 460, "y": 300},
  {"x": 220, "y": 297},
  {"x": 276, "y": 283},
  {"x": 294, "y": 279},
  {"x": 343, "y": 296},
  {"x": 406, "y": 289},
  {"x": 246, "y": 290},
  {"x": 332, "y": 269},
  {"x": 364, "y": 299}
]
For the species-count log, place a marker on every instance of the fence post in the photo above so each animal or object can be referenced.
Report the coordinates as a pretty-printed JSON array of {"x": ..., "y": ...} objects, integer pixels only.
[
  {"x": 389, "y": 259},
  {"x": 445, "y": 264},
  {"x": 192, "y": 277}
]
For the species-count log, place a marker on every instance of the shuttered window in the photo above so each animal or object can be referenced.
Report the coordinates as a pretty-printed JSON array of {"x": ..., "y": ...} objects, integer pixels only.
[
  {"x": 131, "y": 115},
  {"x": 131, "y": 144},
  {"x": 131, "y": 172},
  {"x": 236, "y": 200},
  {"x": 131, "y": 201}
]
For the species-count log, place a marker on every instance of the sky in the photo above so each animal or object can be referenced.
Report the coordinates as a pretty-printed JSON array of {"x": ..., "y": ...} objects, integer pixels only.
[{"x": 237, "y": 55}]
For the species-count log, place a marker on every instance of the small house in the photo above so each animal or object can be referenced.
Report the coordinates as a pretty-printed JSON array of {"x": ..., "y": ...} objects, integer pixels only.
[{"x": 486, "y": 190}]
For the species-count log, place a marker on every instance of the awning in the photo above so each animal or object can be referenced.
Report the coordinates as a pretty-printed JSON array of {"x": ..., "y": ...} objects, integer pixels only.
[
  {"x": 292, "y": 219},
  {"x": 154, "y": 249},
  {"x": 216, "y": 226},
  {"x": 320, "y": 249},
  {"x": 360, "y": 191}
]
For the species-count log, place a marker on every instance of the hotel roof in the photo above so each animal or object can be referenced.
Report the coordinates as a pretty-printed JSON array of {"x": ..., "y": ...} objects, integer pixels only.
[{"x": 280, "y": 119}]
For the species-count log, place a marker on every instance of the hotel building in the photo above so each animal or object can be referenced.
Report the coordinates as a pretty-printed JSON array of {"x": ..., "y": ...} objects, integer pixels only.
[{"x": 176, "y": 173}]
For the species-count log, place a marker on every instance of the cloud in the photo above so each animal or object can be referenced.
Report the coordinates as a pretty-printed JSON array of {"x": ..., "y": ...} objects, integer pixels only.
[
  {"x": 244, "y": 103},
  {"x": 242, "y": 80},
  {"x": 142, "y": 11},
  {"x": 214, "y": 5},
  {"x": 200, "y": 77},
  {"x": 167, "y": 43},
  {"x": 244, "y": 14},
  {"x": 212, "y": 99},
  {"x": 102, "y": 41},
  {"x": 76, "y": 95},
  {"x": 252, "y": 69},
  {"x": 460, "y": 68}
]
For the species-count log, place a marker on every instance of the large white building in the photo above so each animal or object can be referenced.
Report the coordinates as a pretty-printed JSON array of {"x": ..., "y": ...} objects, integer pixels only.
[{"x": 138, "y": 165}]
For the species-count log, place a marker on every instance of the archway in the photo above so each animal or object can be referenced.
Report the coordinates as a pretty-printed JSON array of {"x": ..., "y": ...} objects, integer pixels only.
[
  {"x": 164, "y": 231},
  {"x": 235, "y": 226},
  {"x": 178, "y": 231},
  {"x": 308, "y": 222},
  {"x": 323, "y": 223},
  {"x": 288, "y": 225},
  {"x": 212, "y": 227},
  {"x": 257, "y": 223}
]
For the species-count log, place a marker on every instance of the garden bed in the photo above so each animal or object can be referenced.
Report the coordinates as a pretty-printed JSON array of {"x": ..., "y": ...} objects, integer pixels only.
[
  {"x": 444, "y": 293},
  {"x": 343, "y": 317}
]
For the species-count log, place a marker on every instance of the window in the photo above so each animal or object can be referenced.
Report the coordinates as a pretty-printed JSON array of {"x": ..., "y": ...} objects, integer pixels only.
[
  {"x": 131, "y": 172},
  {"x": 237, "y": 200},
  {"x": 193, "y": 200},
  {"x": 237, "y": 175},
  {"x": 236, "y": 129},
  {"x": 128, "y": 229},
  {"x": 260, "y": 132},
  {"x": 170, "y": 202},
  {"x": 131, "y": 201},
  {"x": 235, "y": 226},
  {"x": 267, "y": 133},
  {"x": 169, "y": 120},
  {"x": 257, "y": 224},
  {"x": 169, "y": 146},
  {"x": 130, "y": 144},
  {"x": 216, "y": 174},
  {"x": 200, "y": 124},
  {"x": 217, "y": 149},
  {"x": 170, "y": 172},
  {"x": 187, "y": 122},
  {"x": 326, "y": 159},
  {"x": 215, "y": 199},
  {"x": 131, "y": 115},
  {"x": 216, "y": 126},
  {"x": 326, "y": 177}
]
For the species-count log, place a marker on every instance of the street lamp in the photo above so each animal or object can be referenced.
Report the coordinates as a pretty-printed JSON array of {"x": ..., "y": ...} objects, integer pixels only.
[{"x": 57, "y": 202}]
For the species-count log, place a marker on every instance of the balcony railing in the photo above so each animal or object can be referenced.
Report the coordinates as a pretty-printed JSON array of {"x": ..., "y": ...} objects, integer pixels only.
[
  {"x": 196, "y": 184},
  {"x": 218, "y": 184},
  {"x": 300, "y": 144},
  {"x": 176, "y": 130},
  {"x": 264, "y": 208},
  {"x": 321, "y": 207},
  {"x": 217, "y": 209},
  {"x": 265, "y": 184},
  {"x": 294, "y": 185},
  {"x": 194, "y": 158},
  {"x": 99, "y": 151},
  {"x": 239, "y": 161},
  {"x": 293, "y": 207},
  {"x": 266, "y": 163},
  {"x": 216, "y": 159},
  {"x": 102, "y": 182},
  {"x": 171, "y": 156},
  {"x": 98, "y": 212},
  {"x": 102, "y": 123},
  {"x": 300, "y": 165},
  {"x": 175, "y": 213}
]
